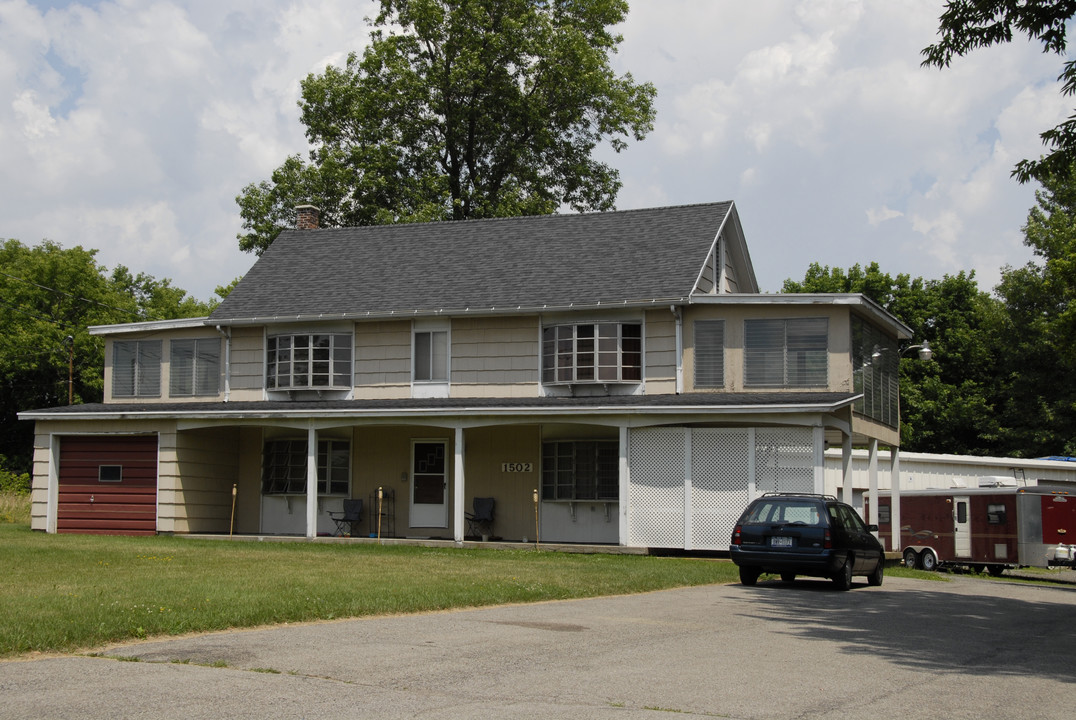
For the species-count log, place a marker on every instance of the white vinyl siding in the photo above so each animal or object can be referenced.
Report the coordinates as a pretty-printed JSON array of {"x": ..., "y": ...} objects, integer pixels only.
[
  {"x": 709, "y": 353},
  {"x": 194, "y": 367},
  {"x": 786, "y": 353},
  {"x": 136, "y": 368}
]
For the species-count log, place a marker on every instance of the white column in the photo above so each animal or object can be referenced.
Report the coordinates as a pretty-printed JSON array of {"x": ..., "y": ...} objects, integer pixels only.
[
  {"x": 894, "y": 498},
  {"x": 311, "y": 482},
  {"x": 872, "y": 473},
  {"x": 819, "y": 460},
  {"x": 623, "y": 478},
  {"x": 53, "y": 503},
  {"x": 846, "y": 468},
  {"x": 457, "y": 489},
  {"x": 688, "y": 545}
]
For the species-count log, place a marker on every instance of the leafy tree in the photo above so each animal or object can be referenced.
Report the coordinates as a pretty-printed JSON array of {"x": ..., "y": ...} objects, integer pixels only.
[
  {"x": 1037, "y": 349},
  {"x": 460, "y": 109},
  {"x": 969, "y": 24},
  {"x": 947, "y": 402},
  {"x": 48, "y": 298}
]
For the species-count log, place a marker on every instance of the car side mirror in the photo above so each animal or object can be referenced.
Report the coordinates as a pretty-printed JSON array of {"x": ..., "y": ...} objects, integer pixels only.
[{"x": 872, "y": 528}]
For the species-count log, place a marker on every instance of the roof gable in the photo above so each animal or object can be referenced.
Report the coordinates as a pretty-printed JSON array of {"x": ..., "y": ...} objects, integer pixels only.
[{"x": 629, "y": 257}]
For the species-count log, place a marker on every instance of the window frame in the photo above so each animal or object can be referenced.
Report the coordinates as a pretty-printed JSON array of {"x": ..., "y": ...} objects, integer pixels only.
[
  {"x": 710, "y": 357},
  {"x": 794, "y": 358},
  {"x": 201, "y": 383},
  {"x": 293, "y": 482},
  {"x": 282, "y": 352},
  {"x": 144, "y": 381},
  {"x": 590, "y": 354},
  {"x": 581, "y": 470},
  {"x": 436, "y": 364}
]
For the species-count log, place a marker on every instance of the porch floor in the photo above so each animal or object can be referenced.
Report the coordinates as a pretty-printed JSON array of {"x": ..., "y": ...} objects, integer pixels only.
[{"x": 430, "y": 542}]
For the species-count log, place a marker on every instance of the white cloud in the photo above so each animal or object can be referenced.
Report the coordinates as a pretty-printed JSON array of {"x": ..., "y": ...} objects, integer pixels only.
[
  {"x": 131, "y": 125},
  {"x": 877, "y": 216}
]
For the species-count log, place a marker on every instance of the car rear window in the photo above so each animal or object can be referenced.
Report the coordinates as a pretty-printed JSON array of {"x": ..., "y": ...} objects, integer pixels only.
[{"x": 785, "y": 511}]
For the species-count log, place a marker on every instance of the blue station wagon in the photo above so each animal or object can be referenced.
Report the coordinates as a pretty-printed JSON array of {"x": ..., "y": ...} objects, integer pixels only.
[{"x": 813, "y": 535}]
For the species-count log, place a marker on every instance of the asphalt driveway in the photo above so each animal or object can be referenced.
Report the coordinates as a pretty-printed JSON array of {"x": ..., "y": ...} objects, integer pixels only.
[{"x": 967, "y": 648}]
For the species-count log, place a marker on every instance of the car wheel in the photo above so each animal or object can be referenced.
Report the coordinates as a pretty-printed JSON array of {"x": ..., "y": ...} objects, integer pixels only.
[
  {"x": 875, "y": 578},
  {"x": 843, "y": 578},
  {"x": 749, "y": 575},
  {"x": 788, "y": 577},
  {"x": 996, "y": 570},
  {"x": 928, "y": 560},
  {"x": 911, "y": 558}
]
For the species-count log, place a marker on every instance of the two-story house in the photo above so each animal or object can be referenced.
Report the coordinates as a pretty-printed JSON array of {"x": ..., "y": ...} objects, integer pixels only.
[{"x": 606, "y": 378}]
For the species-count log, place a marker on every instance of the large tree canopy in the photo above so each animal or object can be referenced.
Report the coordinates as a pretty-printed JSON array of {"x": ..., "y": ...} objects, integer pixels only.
[
  {"x": 969, "y": 24},
  {"x": 460, "y": 109},
  {"x": 1037, "y": 348}
]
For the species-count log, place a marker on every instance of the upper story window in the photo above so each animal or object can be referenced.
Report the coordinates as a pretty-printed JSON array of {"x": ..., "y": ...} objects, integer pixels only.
[
  {"x": 194, "y": 367},
  {"x": 136, "y": 368},
  {"x": 431, "y": 356},
  {"x": 709, "y": 353},
  {"x": 786, "y": 353},
  {"x": 592, "y": 352},
  {"x": 875, "y": 366},
  {"x": 297, "y": 362}
]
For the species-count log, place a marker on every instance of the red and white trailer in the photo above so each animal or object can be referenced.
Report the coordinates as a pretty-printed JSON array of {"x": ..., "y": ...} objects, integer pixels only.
[{"x": 984, "y": 528}]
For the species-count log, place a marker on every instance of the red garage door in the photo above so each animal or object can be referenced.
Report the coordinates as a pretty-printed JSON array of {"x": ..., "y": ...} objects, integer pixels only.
[{"x": 108, "y": 485}]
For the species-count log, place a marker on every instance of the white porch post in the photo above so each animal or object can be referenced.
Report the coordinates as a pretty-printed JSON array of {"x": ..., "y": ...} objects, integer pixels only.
[
  {"x": 52, "y": 504},
  {"x": 311, "y": 482},
  {"x": 894, "y": 498},
  {"x": 458, "y": 489},
  {"x": 623, "y": 477},
  {"x": 819, "y": 459},
  {"x": 872, "y": 472},
  {"x": 846, "y": 468}
]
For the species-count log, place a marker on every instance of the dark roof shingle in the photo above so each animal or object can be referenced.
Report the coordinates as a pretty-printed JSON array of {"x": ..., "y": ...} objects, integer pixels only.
[{"x": 547, "y": 261}]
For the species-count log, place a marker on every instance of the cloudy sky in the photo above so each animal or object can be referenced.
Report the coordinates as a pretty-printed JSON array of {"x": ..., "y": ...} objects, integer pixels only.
[{"x": 131, "y": 125}]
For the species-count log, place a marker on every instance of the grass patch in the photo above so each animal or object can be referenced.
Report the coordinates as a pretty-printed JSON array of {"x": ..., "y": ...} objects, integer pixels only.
[
  {"x": 15, "y": 508},
  {"x": 68, "y": 592}
]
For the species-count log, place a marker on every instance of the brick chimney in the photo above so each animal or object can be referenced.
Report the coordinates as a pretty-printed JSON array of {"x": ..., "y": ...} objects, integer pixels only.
[{"x": 306, "y": 217}]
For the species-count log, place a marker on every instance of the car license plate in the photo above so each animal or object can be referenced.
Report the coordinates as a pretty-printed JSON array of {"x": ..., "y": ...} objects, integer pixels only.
[{"x": 780, "y": 542}]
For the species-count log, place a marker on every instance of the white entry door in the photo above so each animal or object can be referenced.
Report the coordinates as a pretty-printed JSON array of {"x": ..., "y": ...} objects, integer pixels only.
[
  {"x": 429, "y": 483},
  {"x": 961, "y": 527}
]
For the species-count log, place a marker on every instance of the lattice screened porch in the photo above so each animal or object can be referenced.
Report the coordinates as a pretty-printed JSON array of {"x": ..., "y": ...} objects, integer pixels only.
[{"x": 687, "y": 486}]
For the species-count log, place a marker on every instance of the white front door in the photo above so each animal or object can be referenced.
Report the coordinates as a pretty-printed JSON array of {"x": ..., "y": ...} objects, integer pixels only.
[
  {"x": 961, "y": 527},
  {"x": 429, "y": 483}
]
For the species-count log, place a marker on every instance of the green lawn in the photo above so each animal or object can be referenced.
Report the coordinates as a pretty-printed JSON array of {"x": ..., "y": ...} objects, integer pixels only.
[{"x": 69, "y": 592}]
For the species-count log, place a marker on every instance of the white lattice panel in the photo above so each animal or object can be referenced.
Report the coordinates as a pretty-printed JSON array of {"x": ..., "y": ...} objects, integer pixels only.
[
  {"x": 656, "y": 491},
  {"x": 784, "y": 460},
  {"x": 720, "y": 485}
]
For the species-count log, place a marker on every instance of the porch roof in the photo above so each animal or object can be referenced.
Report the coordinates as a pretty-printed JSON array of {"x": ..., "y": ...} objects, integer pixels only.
[{"x": 691, "y": 403}]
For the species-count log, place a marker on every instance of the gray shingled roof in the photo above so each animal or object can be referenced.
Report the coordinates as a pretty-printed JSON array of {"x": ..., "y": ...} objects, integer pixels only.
[{"x": 552, "y": 261}]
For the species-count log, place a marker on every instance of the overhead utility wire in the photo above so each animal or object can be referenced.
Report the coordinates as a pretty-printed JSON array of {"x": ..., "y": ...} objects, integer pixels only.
[{"x": 76, "y": 297}]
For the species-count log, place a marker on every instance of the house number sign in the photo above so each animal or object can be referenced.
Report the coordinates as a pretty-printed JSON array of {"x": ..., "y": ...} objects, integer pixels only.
[{"x": 517, "y": 467}]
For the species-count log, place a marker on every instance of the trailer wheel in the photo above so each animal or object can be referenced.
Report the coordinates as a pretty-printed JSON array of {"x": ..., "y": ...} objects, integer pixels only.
[
  {"x": 911, "y": 558},
  {"x": 995, "y": 570},
  {"x": 928, "y": 560}
]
